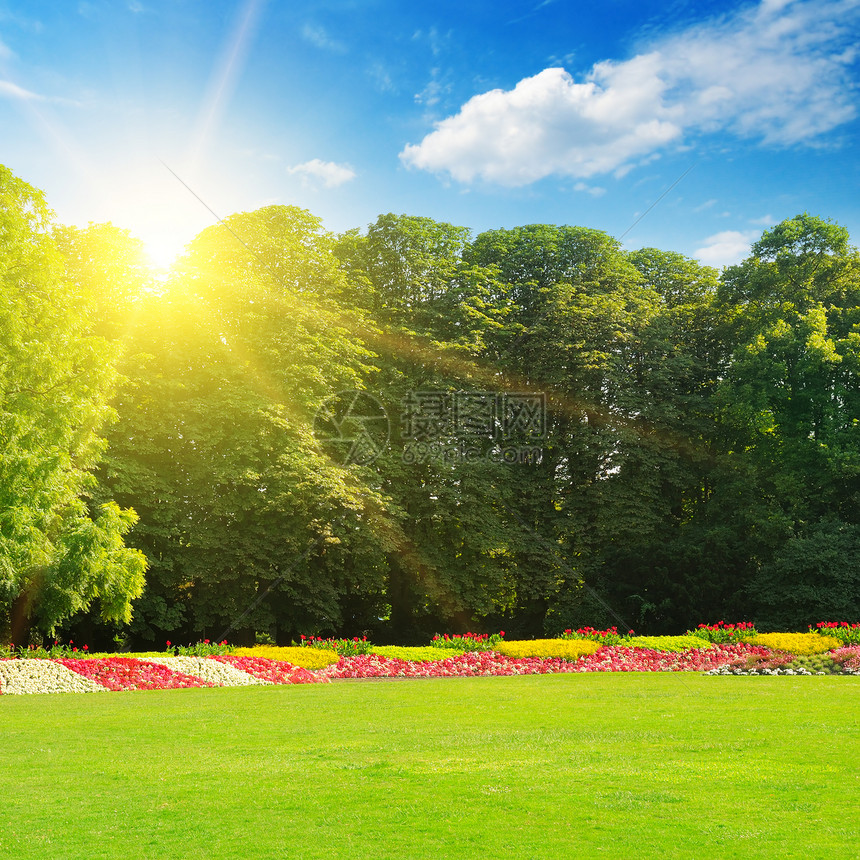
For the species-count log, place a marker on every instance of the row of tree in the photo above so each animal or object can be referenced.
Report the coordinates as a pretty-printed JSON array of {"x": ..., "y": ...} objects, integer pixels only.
[{"x": 692, "y": 439}]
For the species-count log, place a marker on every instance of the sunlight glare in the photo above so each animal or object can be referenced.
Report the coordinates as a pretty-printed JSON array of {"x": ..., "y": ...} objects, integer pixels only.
[{"x": 162, "y": 251}]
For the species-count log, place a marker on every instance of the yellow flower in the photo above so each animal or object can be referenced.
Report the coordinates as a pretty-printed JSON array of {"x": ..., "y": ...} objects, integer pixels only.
[
  {"x": 307, "y": 658},
  {"x": 795, "y": 643},
  {"x": 567, "y": 649}
]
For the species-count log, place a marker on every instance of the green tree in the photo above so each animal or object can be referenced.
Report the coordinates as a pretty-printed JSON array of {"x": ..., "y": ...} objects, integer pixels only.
[
  {"x": 59, "y": 552},
  {"x": 451, "y": 564},
  {"x": 248, "y": 524},
  {"x": 788, "y": 406}
]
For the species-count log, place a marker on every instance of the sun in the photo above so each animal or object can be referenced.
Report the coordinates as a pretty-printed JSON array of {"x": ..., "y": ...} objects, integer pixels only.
[
  {"x": 156, "y": 209},
  {"x": 163, "y": 250}
]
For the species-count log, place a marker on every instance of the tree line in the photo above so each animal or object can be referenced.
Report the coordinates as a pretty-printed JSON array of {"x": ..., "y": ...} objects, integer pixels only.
[{"x": 301, "y": 432}]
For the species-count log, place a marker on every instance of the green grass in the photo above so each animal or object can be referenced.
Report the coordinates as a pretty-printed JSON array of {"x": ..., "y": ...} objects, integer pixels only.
[{"x": 560, "y": 766}]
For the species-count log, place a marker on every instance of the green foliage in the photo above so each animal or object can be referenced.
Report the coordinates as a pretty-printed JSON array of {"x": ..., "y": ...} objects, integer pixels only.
[
  {"x": 818, "y": 663},
  {"x": 666, "y": 643},
  {"x": 700, "y": 457},
  {"x": 814, "y": 574},
  {"x": 419, "y": 654},
  {"x": 249, "y": 524},
  {"x": 786, "y": 411},
  {"x": 610, "y": 636},
  {"x": 201, "y": 649},
  {"x": 463, "y": 642},
  {"x": 59, "y": 551},
  {"x": 722, "y": 633},
  {"x": 342, "y": 647},
  {"x": 847, "y": 634}
]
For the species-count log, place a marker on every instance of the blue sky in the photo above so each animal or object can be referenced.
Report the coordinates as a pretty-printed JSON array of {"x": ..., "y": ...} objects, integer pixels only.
[{"x": 483, "y": 114}]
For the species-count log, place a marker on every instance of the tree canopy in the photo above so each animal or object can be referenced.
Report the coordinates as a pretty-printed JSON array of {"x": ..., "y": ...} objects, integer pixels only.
[
  {"x": 59, "y": 551},
  {"x": 573, "y": 433}
]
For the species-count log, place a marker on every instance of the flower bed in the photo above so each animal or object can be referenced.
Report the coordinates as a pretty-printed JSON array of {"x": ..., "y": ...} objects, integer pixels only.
[
  {"x": 797, "y": 643},
  {"x": 308, "y": 657},
  {"x": 42, "y": 676},
  {"x": 566, "y": 649},
  {"x": 273, "y": 671},
  {"x": 216, "y": 672},
  {"x": 126, "y": 673},
  {"x": 469, "y": 665},
  {"x": 60, "y": 669},
  {"x": 619, "y": 658}
]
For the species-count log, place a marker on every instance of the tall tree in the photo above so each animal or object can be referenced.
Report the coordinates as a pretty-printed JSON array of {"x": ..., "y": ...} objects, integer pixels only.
[
  {"x": 59, "y": 552},
  {"x": 452, "y": 561},
  {"x": 788, "y": 407},
  {"x": 249, "y": 525}
]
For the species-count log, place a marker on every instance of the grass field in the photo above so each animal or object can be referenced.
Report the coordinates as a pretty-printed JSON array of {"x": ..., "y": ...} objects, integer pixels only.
[{"x": 559, "y": 766}]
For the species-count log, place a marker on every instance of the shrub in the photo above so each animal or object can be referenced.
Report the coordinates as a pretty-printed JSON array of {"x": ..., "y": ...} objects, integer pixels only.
[
  {"x": 566, "y": 649},
  {"x": 610, "y": 636},
  {"x": 201, "y": 649},
  {"x": 307, "y": 658},
  {"x": 343, "y": 647},
  {"x": 425, "y": 654},
  {"x": 461, "y": 643},
  {"x": 56, "y": 651},
  {"x": 796, "y": 643},
  {"x": 847, "y": 634},
  {"x": 817, "y": 663},
  {"x": 722, "y": 633},
  {"x": 668, "y": 643}
]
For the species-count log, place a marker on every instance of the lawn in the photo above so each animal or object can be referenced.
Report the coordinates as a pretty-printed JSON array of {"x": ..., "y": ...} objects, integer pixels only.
[{"x": 674, "y": 765}]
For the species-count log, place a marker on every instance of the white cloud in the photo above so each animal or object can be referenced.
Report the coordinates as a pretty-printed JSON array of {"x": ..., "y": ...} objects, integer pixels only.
[
  {"x": 779, "y": 73},
  {"x": 546, "y": 124},
  {"x": 726, "y": 248},
  {"x": 13, "y": 91},
  {"x": 6, "y": 53},
  {"x": 765, "y": 220},
  {"x": 319, "y": 37},
  {"x": 433, "y": 92},
  {"x": 435, "y": 41},
  {"x": 593, "y": 190},
  {"x": 381, "y": 78},
  {"x": 327, "y": 173}
]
